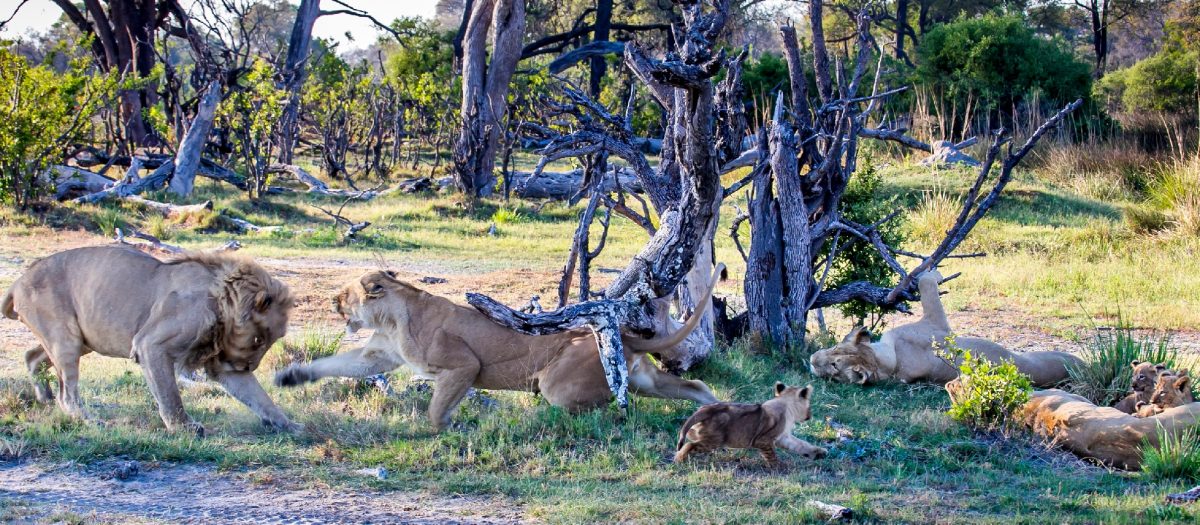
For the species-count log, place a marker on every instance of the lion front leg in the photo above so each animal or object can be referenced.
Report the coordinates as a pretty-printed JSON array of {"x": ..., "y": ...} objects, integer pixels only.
[
  {"x": 799, "y": 446},
  {"x": 360, "y": 362},
  {"x": 244, "y": 387},
  {"x": 159, "y": 370}
]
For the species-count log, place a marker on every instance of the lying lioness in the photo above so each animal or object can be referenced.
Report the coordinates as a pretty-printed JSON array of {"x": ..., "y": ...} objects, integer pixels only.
[
  {"x": 460, "y": 348},
  {"x": 906, "y": 353},
  {"x": 741, "y": 425},
  {"x": 215, "y": 312},
  {"x": 1102, "y": 433}
]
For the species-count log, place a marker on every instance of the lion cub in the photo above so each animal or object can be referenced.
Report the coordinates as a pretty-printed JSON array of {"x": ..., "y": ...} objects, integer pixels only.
[
  {"x": 741, "y": 425},
  {"x": 1172, "y": 390},
  {"x": 1145, "y": 375}
]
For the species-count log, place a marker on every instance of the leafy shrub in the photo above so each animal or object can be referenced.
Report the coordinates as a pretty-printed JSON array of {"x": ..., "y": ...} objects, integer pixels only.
[
  {"x": 999, "y": 61},
  {"x": 252, "y": 113},
  {"x": 986, "y": 394},
  {"x": 43, "y": 112},
  {"x": 862, "y": 204},
  {"x": 508, "y": 216},
  {"x": 108, "y": 220},
  {"x": 1163, "y": 82},
  {"x": 1175, "y": 457},
  {"x": 1105, "y": 376}
]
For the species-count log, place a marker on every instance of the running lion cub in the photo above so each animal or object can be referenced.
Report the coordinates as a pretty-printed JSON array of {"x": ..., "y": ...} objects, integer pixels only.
[{"x": 742, "y": 425}]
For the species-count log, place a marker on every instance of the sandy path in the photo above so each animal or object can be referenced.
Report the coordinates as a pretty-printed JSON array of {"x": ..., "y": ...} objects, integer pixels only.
[{"x": 199, "y": 494}]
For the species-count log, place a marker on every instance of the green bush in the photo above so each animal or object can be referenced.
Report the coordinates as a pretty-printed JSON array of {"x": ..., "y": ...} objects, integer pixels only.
[
  {"x": 999, "y": 61},
  {"x": 1175, "y": 457},
  {"x": 1105, "y": 376},
  {"x": 43, "y": 112},
  {"x": 1163, "y": 82},
  {"x": 985, "y": 395}
]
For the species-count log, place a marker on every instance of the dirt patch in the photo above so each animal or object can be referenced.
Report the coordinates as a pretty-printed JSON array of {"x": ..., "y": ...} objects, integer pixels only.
[{"x": 157, "y": 493}]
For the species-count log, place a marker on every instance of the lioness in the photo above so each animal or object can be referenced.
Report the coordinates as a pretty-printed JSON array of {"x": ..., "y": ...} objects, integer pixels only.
[
  {"x": 1102, "y": 433},
  {"x": 1141, "y": 387},
  {"x": 458, "y": 348},
  {"x": 202, "y": 310},
  {"x": 1172, "y": 389},
  {"x": 742, "y": 425},
  {"x": 906, "y": 353}
]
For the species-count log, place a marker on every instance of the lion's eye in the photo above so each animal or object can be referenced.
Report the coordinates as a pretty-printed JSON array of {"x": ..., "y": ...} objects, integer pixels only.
[{"x": 257, "y": 340}]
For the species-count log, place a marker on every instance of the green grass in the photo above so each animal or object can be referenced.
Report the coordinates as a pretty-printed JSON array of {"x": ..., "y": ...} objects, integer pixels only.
[
  {"x": 1055, "y": 254},
  {"x": 1175, "y": 457},
  {"x": 904, "y": 460}
]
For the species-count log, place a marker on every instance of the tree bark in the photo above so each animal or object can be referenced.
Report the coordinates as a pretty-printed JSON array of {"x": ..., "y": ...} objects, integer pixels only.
[
  {"x": 191, "y": 148},
  {"x": 485, "y": 89},
  {"x": 295, "y": 70}
]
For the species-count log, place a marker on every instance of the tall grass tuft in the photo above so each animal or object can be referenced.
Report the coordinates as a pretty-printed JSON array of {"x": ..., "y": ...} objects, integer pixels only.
[
  {"x": 1105, "y": 376},
  {"x": 1176, "y": 190},
  {"x": 1175, "y": 457},
  {"x": 933, "y": 217},
  {"x": 309, "y": 345},
  {"x": 508, "y": 216},
  {"x": 108, "y": 220}
]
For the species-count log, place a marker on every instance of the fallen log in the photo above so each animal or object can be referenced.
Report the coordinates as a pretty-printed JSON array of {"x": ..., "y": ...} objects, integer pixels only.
[
  {"x": 562, "y": 185},
  {"x": 132, "y": 184},
  {"x": 70, "y": 181},
  {"x": 318, "y": 186},
  {"x": 172, "y": 210}
]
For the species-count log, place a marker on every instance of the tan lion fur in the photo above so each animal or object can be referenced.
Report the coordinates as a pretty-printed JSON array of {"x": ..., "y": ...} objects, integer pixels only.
[
  {"x": 460, "y": 348},
  {"x": 1141, "y": 386},
  {"x": 218, "y": 312},
  {"x": 761, "y": 426},
  {"x": 1102, "y": 433},
  {"x": 907, "y": 354},
  {"x": 1173, "y": 389}
]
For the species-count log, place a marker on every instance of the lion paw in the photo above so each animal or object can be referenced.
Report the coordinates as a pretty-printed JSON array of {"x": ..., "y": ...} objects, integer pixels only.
[
  {"x": 817, "y": 453},
  {"x": 188, "y": 426},
  {"x": 284, "y": 425},
  {"x": 291, "y": 376}
]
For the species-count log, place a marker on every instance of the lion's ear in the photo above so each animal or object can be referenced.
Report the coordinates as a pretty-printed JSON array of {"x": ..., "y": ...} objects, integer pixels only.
[
  {"x": 805, "y": 392},
  {"x": 1134, "y": 363},
  {"x": 779, "y": 388},
  {"x": 390, "y": 273},
  {"x": 859, "y": 335},
  {"x": 1181, "y": 382},
  {"x": 262, "y": 301},
  {"x": 1160, "y": 368},
  {"x": 862, "y": 374}
]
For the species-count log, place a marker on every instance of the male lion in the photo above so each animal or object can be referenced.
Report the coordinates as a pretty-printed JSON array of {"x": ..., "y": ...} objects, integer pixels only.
[
  {"x": 906, "y": 353},
  {"x": 742, "y": 425},
  {"x": 460, "y": 348},
  {"x": 201, "y": 310}
]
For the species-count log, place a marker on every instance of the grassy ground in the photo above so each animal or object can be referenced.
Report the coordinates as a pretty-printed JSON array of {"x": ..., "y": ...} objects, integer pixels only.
[{"x": 1056, "y": 255}]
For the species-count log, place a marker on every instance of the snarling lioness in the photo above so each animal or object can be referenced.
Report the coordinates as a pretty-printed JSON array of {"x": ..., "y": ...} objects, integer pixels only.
[
  {"x": 907, "y": 354},
  {"x": 460, "y": 348},
  {"x": 215, "y": 312}
]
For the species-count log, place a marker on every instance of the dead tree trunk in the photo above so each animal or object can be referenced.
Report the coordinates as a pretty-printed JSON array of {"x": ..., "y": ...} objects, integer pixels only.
[
  {"x": 191, "y": 148},
  {"x": 294, "y": 72},
  {"x": 797, "y": 224},
  {"x": 485, "y": 88},
  {"x": 683, "y": 84}
]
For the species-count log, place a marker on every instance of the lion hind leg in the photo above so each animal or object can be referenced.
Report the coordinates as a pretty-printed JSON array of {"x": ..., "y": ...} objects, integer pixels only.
[
  {"x": 932, "y": 310},
  {"x": 451, "y": 384},
  {"x": 647, "y": 380},
  {"x": 38, "y": 361}
]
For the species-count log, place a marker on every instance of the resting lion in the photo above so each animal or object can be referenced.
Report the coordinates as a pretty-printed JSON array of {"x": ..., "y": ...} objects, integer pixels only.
[
  {"x": 217, "y": 312},
  {"x": 1104, "y": 434},
  {"x": 906, "y": 353},
  {"x": 460, "y": 348}
]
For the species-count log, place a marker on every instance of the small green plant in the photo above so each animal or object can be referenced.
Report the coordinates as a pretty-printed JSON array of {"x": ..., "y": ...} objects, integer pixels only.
[
  {"x": 1175, "y": 457},
  {"x": 1104, "y": 378},
  {"x": 986, "y": 394},
  {"x": 508, "y": 216},
  {"x": 108, "y": 220},
  {"x": 158, "y": 226}
]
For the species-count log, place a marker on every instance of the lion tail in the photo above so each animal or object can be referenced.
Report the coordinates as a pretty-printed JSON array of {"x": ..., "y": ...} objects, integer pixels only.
[
  {"x": 653, "y": 345},
  {"x": 6, "y": 305}
]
